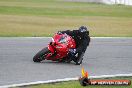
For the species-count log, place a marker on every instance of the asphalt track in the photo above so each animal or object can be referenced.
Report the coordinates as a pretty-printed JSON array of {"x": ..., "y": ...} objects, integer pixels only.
[{"x": 104, "y": 56}]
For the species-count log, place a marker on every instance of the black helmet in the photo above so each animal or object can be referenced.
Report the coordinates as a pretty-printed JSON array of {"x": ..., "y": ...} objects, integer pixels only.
[{"x": 82, "y": 29}]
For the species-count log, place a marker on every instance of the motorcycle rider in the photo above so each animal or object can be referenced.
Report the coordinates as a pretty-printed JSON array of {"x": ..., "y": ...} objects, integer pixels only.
[{"x": 82, "y": 39}]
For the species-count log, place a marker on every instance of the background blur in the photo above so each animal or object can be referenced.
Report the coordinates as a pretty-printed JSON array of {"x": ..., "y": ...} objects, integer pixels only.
[
  {"x": 45, "y": 17},
  {"x": 125, "y": 2}
]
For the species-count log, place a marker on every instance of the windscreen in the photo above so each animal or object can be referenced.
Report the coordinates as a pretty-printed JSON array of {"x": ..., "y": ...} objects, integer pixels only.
[{"x": 63, "y": 39}]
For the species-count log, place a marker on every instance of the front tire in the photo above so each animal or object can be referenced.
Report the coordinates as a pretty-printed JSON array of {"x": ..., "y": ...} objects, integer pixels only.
[{"x": 41, "y": 55}]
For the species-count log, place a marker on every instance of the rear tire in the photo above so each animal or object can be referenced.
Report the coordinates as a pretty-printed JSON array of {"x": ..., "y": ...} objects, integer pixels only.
[{"x": 41, "y": 55}]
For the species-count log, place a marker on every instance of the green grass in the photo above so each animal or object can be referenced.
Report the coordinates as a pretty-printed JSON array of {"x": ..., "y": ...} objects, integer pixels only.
[
  {"x": 44, "y": 17},
  {"x": 61, "y": 8},
  {"x": 76, "y": 84}
]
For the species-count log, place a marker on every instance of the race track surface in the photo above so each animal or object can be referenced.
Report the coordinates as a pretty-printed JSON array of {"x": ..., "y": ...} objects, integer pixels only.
[{"x": 104, "y": 56}]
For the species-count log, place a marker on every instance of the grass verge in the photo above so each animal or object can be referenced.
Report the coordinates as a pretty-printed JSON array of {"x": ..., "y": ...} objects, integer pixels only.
[
  {"x": 45, "y": 17},
  {"x": 75, "y": 84}
]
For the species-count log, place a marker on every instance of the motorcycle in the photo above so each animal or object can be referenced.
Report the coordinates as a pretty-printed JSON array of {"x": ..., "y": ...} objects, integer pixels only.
[{"x": 57, "y": 50}]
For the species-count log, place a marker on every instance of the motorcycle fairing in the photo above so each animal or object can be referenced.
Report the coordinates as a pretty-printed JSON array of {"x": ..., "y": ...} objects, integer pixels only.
[{"x": 59, "y": 47}]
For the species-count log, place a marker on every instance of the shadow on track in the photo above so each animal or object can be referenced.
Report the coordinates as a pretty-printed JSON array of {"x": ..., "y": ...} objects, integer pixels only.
[{"x": 57, "y": 63}]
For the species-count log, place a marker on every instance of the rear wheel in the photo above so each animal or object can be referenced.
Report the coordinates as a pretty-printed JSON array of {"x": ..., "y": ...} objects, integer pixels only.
[{"x": 41, "y": 55}]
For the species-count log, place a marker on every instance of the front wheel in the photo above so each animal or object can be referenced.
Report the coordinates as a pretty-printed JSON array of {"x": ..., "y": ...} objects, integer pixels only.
[{"x": 41, "y": 55}]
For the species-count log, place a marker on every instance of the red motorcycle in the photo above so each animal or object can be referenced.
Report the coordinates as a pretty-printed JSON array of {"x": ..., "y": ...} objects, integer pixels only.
[{"x": 57, "y": 49}]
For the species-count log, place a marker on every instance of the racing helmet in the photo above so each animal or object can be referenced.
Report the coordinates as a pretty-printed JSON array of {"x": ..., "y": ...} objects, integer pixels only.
[{"x": 83, "y": 29}]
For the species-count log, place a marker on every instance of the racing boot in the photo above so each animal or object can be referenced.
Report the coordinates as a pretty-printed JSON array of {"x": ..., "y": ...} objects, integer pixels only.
[{"x": 79, "y": 58}]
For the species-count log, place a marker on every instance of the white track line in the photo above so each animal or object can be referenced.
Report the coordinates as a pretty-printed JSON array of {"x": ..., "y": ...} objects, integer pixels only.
[
  {"x": 62, "y": 80},
  {"x": 106, "y": 76}
]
